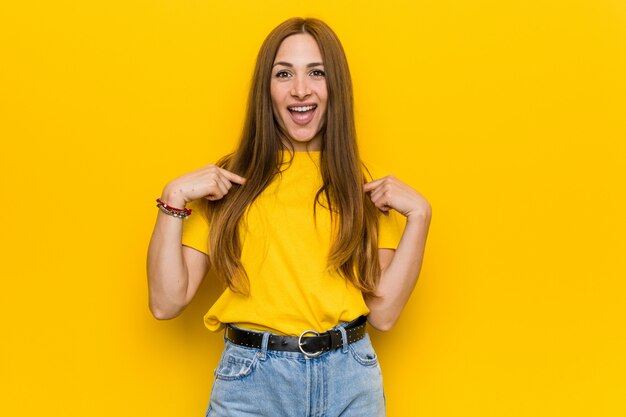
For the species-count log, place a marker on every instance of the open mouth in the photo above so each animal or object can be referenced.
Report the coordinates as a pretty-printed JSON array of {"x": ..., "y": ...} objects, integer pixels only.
[{"x": 302, "y": 114}]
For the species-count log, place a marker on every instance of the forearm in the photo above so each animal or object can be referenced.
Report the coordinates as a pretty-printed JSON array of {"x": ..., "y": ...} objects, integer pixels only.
[
  {"x": 167, "y": 273},
  {"x": 399, "y": 277},
  {"x": 174, "y": 272}
]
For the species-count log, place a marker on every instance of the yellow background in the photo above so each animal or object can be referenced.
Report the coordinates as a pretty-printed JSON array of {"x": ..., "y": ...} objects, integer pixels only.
[{"x": 507, "y": 116}]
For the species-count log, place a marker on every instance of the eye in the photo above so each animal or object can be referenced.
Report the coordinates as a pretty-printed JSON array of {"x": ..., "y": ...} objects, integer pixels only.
[
  {"x": 318, "y": 73},
  {"x": 282, "y": 74}
]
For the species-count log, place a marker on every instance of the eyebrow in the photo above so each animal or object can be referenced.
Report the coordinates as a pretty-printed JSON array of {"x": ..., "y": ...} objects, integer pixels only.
[{"x": 287, "y": 64}]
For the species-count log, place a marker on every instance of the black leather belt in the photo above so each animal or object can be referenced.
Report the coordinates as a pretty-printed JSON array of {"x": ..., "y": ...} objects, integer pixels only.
[{"x": 311, "y": 346}]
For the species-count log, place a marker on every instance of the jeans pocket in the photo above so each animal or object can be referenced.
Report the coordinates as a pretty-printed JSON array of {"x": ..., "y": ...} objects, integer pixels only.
[
  {"x": 237, "y": 363},
  {"x": 363, "y": 352}
]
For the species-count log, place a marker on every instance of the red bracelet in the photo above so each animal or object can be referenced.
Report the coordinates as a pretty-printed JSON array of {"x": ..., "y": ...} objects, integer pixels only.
[{"x": 173, "y": 211}]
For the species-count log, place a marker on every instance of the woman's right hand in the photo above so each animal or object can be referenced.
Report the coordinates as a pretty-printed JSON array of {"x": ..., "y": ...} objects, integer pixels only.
[
  {"x": 176, "y": 271},
  {"x": 210, "y": 182}
]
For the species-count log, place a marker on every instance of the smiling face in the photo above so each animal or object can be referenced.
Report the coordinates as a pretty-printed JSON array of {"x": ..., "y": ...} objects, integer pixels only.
[{"x": 299, "y": 93}]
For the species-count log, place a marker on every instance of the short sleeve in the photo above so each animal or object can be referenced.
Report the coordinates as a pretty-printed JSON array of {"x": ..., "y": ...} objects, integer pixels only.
[
  {"x": 196, "y": 228},
  {"x": 390, "y": 227}
]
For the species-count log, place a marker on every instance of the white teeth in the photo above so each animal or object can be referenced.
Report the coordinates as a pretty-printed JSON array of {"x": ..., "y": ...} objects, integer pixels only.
[{"x": 302, "y": 108}]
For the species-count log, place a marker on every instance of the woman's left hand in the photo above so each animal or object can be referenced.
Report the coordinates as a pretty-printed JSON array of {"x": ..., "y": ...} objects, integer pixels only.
[
  {"x": 391, "y": 193},
  {"x": 400, "y": 267}
]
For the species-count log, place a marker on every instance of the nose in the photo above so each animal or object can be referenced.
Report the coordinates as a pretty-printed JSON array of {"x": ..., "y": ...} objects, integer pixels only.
[{"x": 300, "y": 88}]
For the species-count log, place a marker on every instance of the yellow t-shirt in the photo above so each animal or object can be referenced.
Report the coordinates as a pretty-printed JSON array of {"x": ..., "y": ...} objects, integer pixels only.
[{"x": 284, "y": 252}]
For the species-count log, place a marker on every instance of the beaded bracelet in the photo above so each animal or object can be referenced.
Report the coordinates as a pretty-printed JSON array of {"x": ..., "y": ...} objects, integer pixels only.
[{"x": 173, "y": 211}]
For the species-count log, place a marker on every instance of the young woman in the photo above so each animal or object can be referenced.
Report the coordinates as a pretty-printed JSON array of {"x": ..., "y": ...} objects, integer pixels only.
[{"x": 305, "y": 237}]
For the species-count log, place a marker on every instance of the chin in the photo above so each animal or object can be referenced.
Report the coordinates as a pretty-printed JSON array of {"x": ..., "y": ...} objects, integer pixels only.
[
  {"x": 301, "y": 136},
  {"x": 305, "y": 142}
]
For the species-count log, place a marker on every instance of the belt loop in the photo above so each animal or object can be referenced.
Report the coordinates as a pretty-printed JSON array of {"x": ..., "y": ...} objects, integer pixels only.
[
  {"x": 344, "y": 339},
  {"x": 264, "y": 343}
]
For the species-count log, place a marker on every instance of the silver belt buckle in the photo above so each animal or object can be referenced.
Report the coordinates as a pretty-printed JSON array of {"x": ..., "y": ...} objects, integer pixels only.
[{"x": 307, "y": 354}]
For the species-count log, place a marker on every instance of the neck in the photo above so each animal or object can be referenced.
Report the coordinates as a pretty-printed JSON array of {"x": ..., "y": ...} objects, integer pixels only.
[{"x": 312, "y": 145}]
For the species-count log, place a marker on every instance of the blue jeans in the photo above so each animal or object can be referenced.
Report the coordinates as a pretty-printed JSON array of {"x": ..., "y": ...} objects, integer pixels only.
[{"x": 344, "y": 382}]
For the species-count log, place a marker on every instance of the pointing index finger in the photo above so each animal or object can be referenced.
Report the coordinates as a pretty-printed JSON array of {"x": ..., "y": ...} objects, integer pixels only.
[
  {"x": 372, "y": 184},
  {"x": 232, "y": 177}
]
